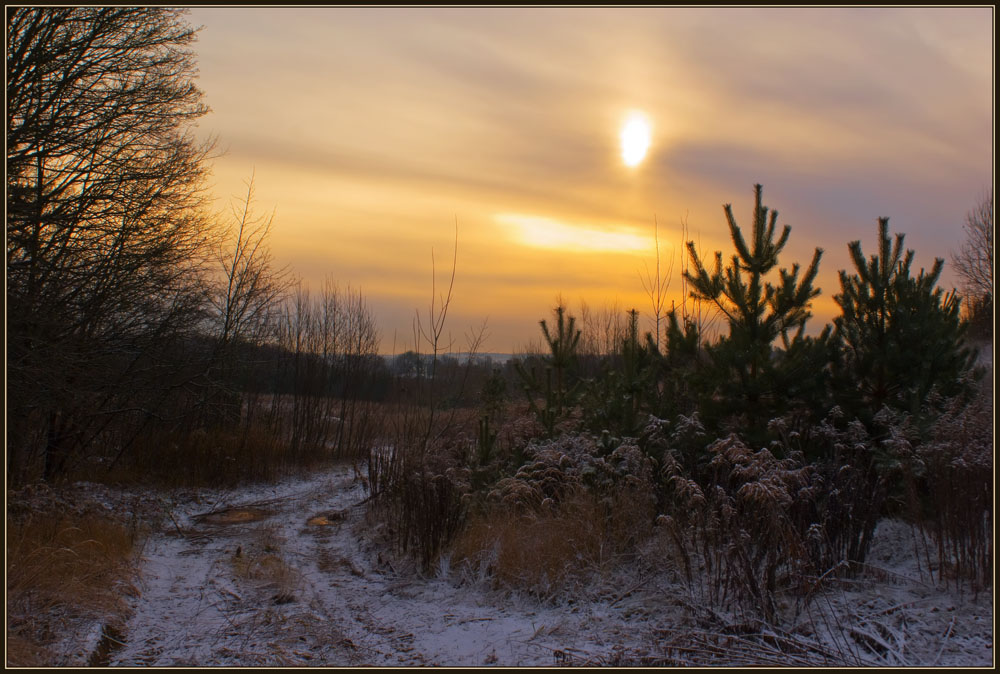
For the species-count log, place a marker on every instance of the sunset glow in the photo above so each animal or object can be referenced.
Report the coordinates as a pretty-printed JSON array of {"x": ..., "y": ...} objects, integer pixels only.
[
  {"x": 555, "y": 136},
  {"x": 541, "y": 232}
]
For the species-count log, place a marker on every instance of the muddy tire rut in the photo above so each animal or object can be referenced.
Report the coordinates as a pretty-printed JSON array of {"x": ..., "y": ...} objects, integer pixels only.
[{"x": 238, "y": 585}]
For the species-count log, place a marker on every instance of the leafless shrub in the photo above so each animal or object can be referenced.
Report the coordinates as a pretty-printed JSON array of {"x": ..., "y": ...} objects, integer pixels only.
[
  {"x": 852, "y": 494},
  {"x": 742, "y": 526},
  {"x": 422, "y": 494},
  {"x": 953, "y": 472},
  {"x": 419, "y": 464},
  {"x": 419, "y": 474}
]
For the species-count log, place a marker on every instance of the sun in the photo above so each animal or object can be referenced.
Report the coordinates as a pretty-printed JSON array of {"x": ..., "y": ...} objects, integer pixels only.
[{"x": 635, "y": 136}]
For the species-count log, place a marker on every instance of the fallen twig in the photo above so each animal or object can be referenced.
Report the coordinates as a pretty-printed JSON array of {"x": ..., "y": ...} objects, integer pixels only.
[
  {"x": 629, "y": 591},
  {"x": 944, "y": 643},
  {"x": 170, "y": 514}
]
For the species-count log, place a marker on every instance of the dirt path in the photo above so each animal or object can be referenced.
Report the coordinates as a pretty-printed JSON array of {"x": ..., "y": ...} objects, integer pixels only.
[
  {"x": 279, "y": 577},
  {"x": 282, "y": 575}
]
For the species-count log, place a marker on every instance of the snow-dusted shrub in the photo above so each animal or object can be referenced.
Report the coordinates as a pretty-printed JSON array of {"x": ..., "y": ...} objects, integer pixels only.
[
  {"x": 519, "y": 427},
  {"x": 744, "y": 526},
  {"x": 852, "y": 491},
  {"x": 953, "y": 472},
  {"x": 421, "y": 491},
  {"x": 571, "y": 508},
  {"x": 552, "y": 470},
  {"x": 556, "y": 468},
  {"x": 683, "y": 439}
]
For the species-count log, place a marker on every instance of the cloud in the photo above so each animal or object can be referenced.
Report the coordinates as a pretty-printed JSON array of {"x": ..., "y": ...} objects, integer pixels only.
[
  {"x": 369, "y": 127},
  {"x": 545, "y": 232}
]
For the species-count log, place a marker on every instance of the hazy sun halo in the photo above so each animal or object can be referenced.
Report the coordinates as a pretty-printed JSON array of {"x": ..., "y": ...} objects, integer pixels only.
[{"x": 635, "y": 137}]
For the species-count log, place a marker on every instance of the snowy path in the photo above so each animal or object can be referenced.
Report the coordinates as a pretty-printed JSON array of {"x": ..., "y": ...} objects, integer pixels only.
[
  {"x": 281, "y": 575},
  {"x": 281, "y": 591}
]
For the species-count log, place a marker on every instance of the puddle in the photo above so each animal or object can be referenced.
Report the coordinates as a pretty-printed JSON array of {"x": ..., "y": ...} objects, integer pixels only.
[
  {"x": 326, "y": 519},
  {"x": 234, "y": 516}
]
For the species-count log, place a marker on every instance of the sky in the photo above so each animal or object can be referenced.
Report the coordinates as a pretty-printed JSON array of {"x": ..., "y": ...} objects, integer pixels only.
[{"x": 375, "y": 133}]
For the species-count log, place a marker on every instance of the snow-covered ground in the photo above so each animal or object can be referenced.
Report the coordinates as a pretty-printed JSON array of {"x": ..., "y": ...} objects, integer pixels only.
[{"x": 289, "y": 574}]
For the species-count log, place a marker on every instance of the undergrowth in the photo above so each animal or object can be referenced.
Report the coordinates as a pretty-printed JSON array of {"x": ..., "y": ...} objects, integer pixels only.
[
  {"x": 574, "y": 509},
  {"x": 952, "y": 480},
  {"x": 66, "y": 566}
]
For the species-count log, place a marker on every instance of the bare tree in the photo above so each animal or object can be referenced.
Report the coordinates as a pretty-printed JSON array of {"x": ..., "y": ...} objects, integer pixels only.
[
  {"x": 656, "y": 286},
  {"x": 974, "y": 262},
  {"x": 433, "y": 333},
  {"x": 437, "y": 315},
  {"x": 602, "y": 329},
  {"x": 106, "y": 241},
  {"x": 243, "y": 301},
  {"x": 250, "y": 286}
]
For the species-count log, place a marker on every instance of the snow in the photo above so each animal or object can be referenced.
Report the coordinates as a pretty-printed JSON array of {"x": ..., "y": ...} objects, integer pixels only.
[{"x": 242, "y": 578}]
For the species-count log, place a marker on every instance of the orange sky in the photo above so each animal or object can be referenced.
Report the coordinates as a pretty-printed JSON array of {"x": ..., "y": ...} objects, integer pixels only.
[{"x": 371, "y": 131}]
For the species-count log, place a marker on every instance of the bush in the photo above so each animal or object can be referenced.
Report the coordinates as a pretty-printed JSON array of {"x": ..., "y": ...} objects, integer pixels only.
[
  {"x": 744, "y": 526},
  {"x": 953, "y": 473},
  {"x": 420, "y": 480},
  {"x": 903, "y": 335},
  {"x": 572, "y": 508},
  {"x": 851, "y": 489}
]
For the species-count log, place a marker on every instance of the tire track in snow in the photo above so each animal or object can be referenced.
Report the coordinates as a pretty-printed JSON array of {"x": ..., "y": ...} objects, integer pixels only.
[
  {"x": 196, "y": 609},
  {"x": 337, "y": 606}
]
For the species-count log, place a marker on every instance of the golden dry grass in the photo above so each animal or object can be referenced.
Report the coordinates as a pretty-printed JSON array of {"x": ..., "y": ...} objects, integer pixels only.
[
  {"x": 541, "y": 550},
  {"x": 63, "y": 568}
]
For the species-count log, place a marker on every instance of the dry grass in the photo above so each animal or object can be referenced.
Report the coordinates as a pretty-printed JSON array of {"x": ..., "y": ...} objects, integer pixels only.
[
  {"x": 547, "y": 550},
  {"x": 957, "y": 486},
  {"x": 222, "y": 457},
  {"x": 63, "y": 569},
  {"x": 566, "y": 515},
  {"x": 262, "y": 563}
]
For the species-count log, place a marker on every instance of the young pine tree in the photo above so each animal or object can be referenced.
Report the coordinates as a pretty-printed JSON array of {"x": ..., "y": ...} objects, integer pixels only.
[
  {"x": 903, "y": 335},
  {"x": 615, "y": 401},
  {"x": 746, "y": 379},
  {"x": 558, "y": 389}
]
